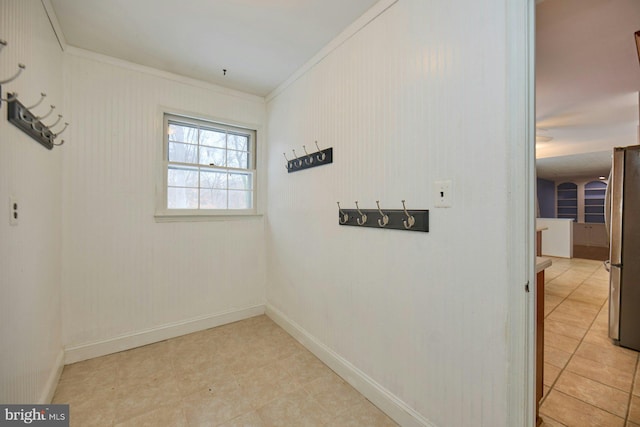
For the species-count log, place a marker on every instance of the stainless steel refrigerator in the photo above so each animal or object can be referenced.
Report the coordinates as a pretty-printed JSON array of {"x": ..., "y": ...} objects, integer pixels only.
[{"x": 623, "y": 221}]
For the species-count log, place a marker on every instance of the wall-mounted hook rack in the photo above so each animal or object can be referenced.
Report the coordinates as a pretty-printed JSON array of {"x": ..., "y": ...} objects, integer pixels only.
[
  {"x": 29, "y": 123},
  {"x": 319, "y": 158},
  {"x": 393, "y": 219}
]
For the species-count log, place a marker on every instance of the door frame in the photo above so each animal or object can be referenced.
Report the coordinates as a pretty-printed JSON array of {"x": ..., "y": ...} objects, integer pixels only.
[{"x": 520, "y": 134}]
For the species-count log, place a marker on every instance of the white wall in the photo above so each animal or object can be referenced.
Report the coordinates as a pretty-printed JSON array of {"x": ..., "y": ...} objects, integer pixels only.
[
  {"x": 418, "y": 95},
  {"x": 128, "y": 280},
  {"x": 30, "y": 340}
]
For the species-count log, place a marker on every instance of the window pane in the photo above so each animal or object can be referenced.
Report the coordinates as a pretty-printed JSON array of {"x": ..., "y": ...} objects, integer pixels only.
[
  {"x": 238, "y": 142},
  {"x": 213, "y": 199},
  {"x": 240, "y": 199},
  {"x": 213, "y": 138},
  {"x": 211, "y": 179},
  {"x": 241, "y": 181},
  {"x": 182, "y": 133},
  {"x": 212, "y": 155},
  {"x": 182, "y": 198},
  {"x": 238, "y": 159},
  {"x": 184, "y": 153},
  {"x": 182, "y": 177}
]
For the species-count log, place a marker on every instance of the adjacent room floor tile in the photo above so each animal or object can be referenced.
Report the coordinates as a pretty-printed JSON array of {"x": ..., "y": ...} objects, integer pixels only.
[{"x": 589, "y": 381}]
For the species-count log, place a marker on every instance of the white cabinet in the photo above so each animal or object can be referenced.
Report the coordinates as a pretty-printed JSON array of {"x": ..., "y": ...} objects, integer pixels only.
[{"x": 588, "y": 234}]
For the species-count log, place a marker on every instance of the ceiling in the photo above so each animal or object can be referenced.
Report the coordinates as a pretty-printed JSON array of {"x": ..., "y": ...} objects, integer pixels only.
[
  {"x": 587, "y": 70},
  {"x": 587, "y": 84},
  {"x": 259, "y": 42}
]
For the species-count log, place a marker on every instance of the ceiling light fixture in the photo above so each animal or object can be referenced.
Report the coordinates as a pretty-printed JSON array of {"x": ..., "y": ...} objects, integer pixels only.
[{"x": 542, "y": 138}]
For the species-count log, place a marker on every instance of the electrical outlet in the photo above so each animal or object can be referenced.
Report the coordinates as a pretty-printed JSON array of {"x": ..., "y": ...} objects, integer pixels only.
[
  {"x": 13, "y": 211},
  {"x": 443, "y": 194}
]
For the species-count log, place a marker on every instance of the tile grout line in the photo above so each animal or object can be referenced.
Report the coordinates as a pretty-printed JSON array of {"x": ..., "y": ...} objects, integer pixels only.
[{"x": 633, "y": 385}]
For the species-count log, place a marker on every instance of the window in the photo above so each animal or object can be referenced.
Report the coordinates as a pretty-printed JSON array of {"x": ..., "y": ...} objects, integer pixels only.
[{"x": 209, "y": 167}]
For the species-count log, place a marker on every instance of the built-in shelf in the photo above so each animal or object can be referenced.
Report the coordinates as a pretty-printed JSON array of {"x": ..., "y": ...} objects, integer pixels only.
[
  {"x": 567, "y": 200},
  {"x": 594, "y": 195}
]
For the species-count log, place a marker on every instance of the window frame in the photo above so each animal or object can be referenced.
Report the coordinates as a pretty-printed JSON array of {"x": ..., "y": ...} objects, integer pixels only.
[{"x": 163, "y": 212}]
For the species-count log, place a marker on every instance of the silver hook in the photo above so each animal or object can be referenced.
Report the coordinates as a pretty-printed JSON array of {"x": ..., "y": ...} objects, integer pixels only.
[
  {"x": 309, "y": 159},
  {"x": 382, "y": 222},
  {"x": 3, "y": 43},
  {"x": 53, "y": 107},
  {"x": 61, "y": 142},
  {"x": 56, "y": 122},
  {"x": 363, "y": 217},
  {"x": 42, "y": 97},
  {"x": 288, "y": 161},
  {"x": 410, "y": 221},
  {"x": 344, "y": 217},
  {"x": 297, "y": 161},
  {"x": 36, "y": 119},
  {"x": 21, "y": 67},
  {"x": 12, "y": 97},
  {"x": 55, "y": 135},
  {"x": 324, "y": 156}
]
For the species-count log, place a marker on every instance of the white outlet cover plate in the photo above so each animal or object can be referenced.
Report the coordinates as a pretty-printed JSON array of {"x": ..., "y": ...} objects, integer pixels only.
[
  {"x": 13, "y": 220},
  {"x": 443, "y": 194}
]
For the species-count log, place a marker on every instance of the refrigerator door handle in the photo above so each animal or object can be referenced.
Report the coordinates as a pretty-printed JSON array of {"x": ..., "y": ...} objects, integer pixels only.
[{"x": 616, "y": 197}]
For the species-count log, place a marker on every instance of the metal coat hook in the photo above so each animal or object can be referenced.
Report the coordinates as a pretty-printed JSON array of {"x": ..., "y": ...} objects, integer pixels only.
[
  {"x": 21, "y": 67},
  {"x": 55, "y": 135},
  {"x": 42, "y": 97},
  {"x": 363, "y": 217},
  {"x": 36, "y": 119},
  {"x": 3, "y": 43},
  {"x": 344, "y": 217},
  {"x": 410, "y": 221},
  {"x": 297, "y": 161},
  {"x": 289, "y": 165},
  {"x": 382, "y": 222},
  {"x": 309, "y": 159},
  {"x": 320, "y": 158},
  {"x": 56, "y": 122},
  {"x": 61, "y": 142},
  {"x": 53, "y": 107}
]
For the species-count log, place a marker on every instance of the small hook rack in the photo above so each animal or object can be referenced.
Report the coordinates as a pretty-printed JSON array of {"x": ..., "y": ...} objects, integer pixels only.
[
  {"x": 394, "y": 219},
  {"x": 319, "y": 158},
  {"x": 32, "y": 125}
]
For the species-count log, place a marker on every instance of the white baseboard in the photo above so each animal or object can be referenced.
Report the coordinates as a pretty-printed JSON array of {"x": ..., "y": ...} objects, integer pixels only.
[
  {"x": 52, "y": 382},
  {"x": 390, "y": 404},
  {"x": 126, "y": 342}
]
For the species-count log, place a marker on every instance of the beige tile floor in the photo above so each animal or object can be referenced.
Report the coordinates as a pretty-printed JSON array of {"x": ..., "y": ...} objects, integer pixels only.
[
  {"x": 588, "y": 380},
  {"x": 248, "y": 373}
]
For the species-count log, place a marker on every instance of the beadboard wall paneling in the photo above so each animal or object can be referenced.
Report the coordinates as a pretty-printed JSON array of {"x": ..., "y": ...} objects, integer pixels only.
[
  {"x": 30, "y": 325},
  {"x": 416, "y": 96},
  {"x": 122, "y": 271}
]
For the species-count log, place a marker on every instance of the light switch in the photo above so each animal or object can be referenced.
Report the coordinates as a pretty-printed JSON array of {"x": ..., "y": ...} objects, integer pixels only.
[{"x": 443, "y": 193}]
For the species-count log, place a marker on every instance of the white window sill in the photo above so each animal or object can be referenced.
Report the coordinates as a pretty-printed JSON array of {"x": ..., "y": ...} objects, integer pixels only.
[{"x": 197, "y": 216}]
